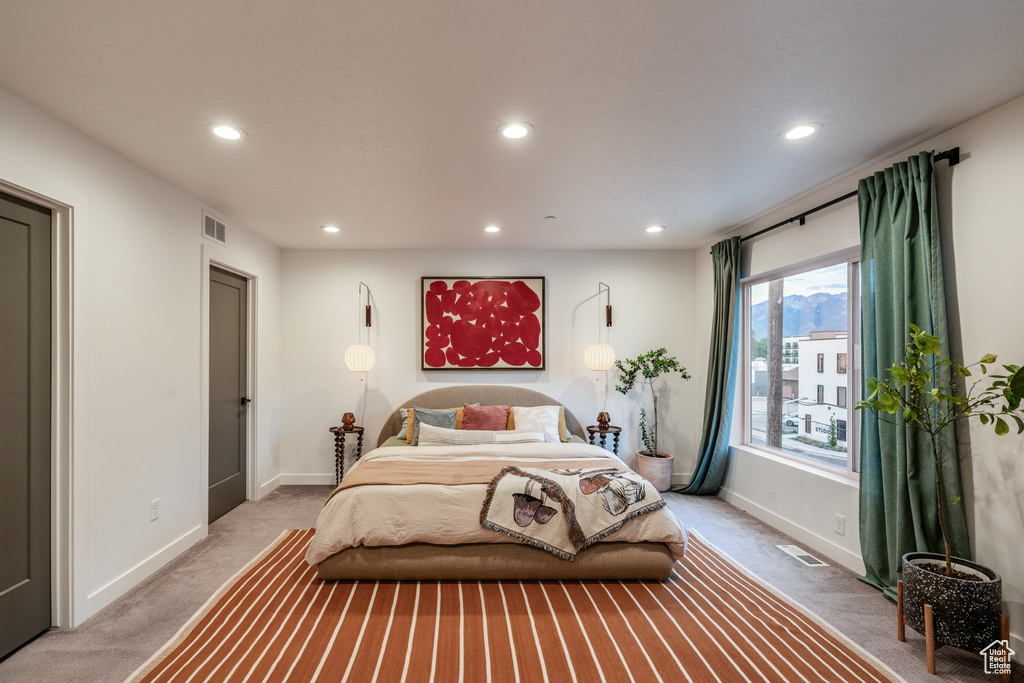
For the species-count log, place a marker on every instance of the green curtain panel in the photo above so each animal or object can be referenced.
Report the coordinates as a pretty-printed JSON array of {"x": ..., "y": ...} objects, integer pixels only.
[
  {"x": 901, "y": 282},
  {"x": 722, "y": 364}
]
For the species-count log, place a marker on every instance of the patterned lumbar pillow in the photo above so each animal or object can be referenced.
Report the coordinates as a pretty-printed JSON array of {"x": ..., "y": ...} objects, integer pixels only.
[{"x": 438, "y": 436}]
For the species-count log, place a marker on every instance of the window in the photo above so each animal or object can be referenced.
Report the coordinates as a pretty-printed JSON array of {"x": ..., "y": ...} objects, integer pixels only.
[{"x": 794, "y": 319}]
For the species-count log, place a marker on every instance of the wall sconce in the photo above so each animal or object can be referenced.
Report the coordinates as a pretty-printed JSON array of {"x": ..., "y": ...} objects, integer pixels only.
[
  {"x": 601, "y": 356},
  {"x": 360, "y": 357}
]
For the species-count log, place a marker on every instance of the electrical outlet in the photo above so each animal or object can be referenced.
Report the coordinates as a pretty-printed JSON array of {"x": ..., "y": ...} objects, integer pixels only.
[
  {"x": 154, "y": 509},
  {"x": 840, "y": 526}
]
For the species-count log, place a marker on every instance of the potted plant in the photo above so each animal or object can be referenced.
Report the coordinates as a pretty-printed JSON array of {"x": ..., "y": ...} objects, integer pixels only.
[
  {"x": 966, "y": 598},
  {"x": 651, "y": 463}
]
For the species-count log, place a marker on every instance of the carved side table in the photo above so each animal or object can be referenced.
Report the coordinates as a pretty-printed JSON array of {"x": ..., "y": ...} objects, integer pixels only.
[
  {"x": 339, "y": 449},
  {"x": 594, "y": 430}
]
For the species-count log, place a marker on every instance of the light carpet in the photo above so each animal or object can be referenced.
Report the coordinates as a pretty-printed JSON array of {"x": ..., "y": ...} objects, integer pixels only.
[{"x": 711, "y": 621}]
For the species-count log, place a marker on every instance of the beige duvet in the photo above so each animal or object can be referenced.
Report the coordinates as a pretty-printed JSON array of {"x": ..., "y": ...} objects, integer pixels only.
[{"x": 374, "y": 514}]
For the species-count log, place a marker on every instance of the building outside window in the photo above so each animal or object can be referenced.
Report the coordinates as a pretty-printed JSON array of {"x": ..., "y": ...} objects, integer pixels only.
[{"x": 796, "y": 318}]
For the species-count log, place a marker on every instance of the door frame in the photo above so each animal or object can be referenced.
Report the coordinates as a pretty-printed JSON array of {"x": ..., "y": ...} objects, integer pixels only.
[
  {"x": 215, "y": 257},
  {"x": 62, "y": 308}
]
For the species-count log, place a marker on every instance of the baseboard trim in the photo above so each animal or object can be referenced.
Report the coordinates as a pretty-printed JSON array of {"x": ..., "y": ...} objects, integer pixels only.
[
  {"x": 105, "y": 595},
  {"x": 266, "y": 488},
  {"x": 306, "y": 479},
  {"x": 851, "y": 561}
]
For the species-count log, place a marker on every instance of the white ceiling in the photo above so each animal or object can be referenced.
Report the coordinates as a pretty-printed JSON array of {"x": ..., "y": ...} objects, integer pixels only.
[{"x": 381, "y": 116}]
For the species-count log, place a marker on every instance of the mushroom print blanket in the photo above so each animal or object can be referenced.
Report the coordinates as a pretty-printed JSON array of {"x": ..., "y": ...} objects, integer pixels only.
[{"x": 564, "y": 511}]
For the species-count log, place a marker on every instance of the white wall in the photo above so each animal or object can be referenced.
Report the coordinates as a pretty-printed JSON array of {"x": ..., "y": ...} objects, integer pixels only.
[
  {"x": 652, "y": 294},
  {"x": 986, "y": 206},
  {"x": 137, "y": 281}
]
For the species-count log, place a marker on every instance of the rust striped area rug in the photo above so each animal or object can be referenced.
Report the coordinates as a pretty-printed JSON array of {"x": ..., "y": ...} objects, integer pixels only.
[{"x": 712, "y": 621}]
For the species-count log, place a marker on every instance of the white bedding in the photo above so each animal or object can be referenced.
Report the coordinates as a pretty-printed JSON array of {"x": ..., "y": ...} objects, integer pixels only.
[{"x": 384, "y": 515}]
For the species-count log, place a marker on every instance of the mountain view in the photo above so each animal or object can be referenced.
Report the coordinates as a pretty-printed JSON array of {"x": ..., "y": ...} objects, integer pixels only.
[{"x": 802, "y": 314}]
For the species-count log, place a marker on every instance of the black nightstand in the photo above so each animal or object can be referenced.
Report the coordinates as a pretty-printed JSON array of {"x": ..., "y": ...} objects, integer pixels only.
[
  {"x": 339, "y": 449},
  {"x": 604, "y": 432}
]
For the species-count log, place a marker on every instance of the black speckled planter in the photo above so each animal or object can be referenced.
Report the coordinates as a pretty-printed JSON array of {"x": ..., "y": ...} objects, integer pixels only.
[{"x": 965, "y": 613}]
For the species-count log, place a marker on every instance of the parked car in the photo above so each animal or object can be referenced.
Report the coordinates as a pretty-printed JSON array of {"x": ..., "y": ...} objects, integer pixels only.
[{"x": 791, "y": 420}]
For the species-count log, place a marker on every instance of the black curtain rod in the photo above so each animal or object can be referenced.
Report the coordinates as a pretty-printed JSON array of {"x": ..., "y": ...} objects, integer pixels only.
[{"x": 950, "y": 155}]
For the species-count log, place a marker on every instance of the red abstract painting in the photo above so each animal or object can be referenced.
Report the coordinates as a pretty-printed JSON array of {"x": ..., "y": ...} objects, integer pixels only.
[{"x": 495, "y": 323}]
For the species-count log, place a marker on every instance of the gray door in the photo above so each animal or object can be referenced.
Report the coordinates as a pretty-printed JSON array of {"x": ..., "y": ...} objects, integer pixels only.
[
  {"x": 228, "y": 391},
  {"x": 24, "y": 422}
]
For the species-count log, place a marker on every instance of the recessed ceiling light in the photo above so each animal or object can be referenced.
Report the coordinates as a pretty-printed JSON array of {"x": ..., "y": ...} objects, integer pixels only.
[
  {"x": 228, "y": 132},
  {"x": 801, "y": 131},
  {"x": 515, "y": 130},
  {"x": 656, "y": 228},
  {"x": 331, "y": 228},
  {"x": 492, "y": 228}
]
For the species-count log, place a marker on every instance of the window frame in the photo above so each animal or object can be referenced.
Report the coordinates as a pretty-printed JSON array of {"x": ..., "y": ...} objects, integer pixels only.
[{"x": 850, "y": 256}]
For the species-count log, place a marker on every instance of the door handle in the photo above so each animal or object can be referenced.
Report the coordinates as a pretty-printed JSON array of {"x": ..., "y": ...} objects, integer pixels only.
[{"x": 246, "y": 400}]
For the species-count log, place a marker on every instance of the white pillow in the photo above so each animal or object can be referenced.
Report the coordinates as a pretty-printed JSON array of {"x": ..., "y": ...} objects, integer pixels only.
[{"x": 537, "y": 419}]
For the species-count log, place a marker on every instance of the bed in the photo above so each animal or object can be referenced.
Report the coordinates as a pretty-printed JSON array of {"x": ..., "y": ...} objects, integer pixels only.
[{"x": 413, "y": 513}]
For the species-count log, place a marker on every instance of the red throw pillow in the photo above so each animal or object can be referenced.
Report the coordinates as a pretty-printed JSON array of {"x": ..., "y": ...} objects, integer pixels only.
[{"x": 491, "y": 418}]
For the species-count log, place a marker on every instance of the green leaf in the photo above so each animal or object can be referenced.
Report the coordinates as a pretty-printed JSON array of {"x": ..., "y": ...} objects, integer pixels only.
[
  {"x": 983, "y": 417},
  {"x": 1001, "y": 427},
  {"x": 1017, "y": 382},
  {"x": 988, "y": 358},
  {"x": 909, "y": 415},
  {"x": 962, "y": 371},
  {"x": 1020, "y": 424}
]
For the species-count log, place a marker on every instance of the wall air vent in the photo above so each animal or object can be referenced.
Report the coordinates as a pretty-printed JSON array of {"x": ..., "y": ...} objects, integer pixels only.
[
  {"x": 214, "y": 228},
  {"x": 802, "y": 555}
]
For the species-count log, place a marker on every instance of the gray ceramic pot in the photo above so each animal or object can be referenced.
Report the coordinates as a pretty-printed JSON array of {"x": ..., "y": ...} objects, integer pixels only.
[{"x": 965, "y": 614}]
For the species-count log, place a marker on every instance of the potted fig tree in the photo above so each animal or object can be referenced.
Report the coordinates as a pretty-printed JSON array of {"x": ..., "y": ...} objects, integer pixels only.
[
  {"x": 966, "y": 597},
  {"x": 651, "y": 463}
]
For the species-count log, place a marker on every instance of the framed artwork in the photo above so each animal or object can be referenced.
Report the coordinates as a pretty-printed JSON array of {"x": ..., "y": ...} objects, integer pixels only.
[{"x": 482, "y": 322}]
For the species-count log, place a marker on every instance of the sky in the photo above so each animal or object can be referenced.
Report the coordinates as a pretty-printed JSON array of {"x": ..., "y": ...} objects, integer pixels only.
[{"x": 829, "y": 280}]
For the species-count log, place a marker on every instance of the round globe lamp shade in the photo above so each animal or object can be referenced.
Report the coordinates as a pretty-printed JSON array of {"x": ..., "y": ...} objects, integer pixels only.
[
  {"x": 599, "y": 356},
  {"x": 359, "y": 358}
]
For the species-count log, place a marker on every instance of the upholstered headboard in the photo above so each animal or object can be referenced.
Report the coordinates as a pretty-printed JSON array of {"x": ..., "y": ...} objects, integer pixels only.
[{"x": 485, "y": 395}]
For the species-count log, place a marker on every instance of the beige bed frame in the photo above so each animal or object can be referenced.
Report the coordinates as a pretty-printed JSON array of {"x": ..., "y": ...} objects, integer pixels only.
[
  {"x": 485, "y": 395},
  {"x": 492, "y": 561}
]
